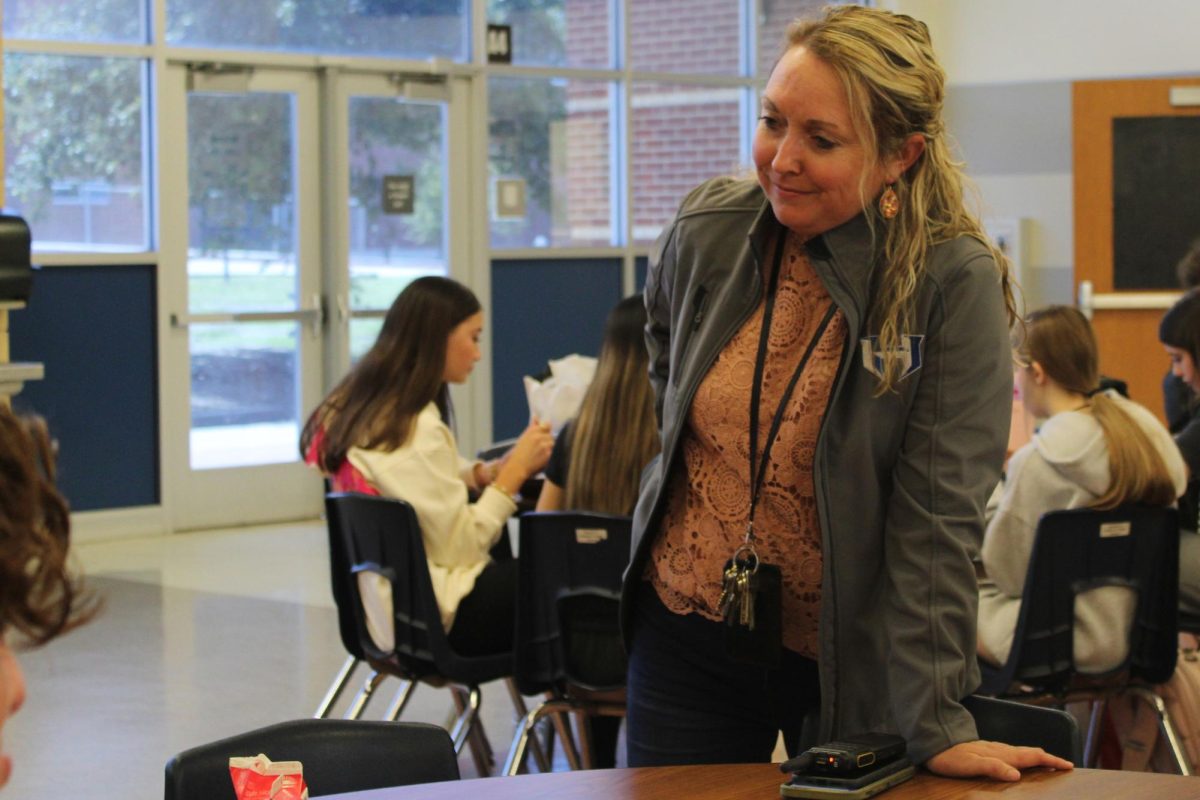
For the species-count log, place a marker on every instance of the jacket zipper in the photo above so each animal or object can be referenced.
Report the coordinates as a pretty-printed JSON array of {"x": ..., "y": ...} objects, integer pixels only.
[{"x": 698, "y": 377}]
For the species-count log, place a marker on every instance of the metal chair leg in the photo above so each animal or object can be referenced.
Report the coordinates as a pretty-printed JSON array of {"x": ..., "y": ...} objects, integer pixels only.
[
  {"x": 467, "y": 727},
  {"x": 400, "y": 700},
  {"x": 562, "y": 724},
  {"x": 468, "y": 712},
  {"x": 539, "y": 752},
  {"x": 1091, "y": 746},
  {"x": 1166, "y": 727},
  {"x": 516, "y": 751},
  {"x": 335, "y": 689},
  {"x": 585, "y": 739},
  {"x": 364, "y": 694}
]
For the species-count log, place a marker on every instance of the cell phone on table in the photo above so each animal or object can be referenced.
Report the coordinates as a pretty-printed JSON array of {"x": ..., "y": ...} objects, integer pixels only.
[
  {"x": 857, "y": 785},
  {"x": 854, "y": 753}
]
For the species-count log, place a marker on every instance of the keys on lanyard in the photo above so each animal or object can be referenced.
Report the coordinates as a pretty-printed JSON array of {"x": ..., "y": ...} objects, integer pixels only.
[{"x": 739, "y": 587}]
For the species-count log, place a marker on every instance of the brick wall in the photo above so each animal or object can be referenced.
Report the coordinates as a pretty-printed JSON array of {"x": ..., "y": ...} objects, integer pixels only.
[{"x": 680, "y": 135}]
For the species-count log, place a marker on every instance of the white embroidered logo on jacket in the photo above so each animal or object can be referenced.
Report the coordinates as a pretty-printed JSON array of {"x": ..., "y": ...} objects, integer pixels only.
[{"x": 908, "y": 353}]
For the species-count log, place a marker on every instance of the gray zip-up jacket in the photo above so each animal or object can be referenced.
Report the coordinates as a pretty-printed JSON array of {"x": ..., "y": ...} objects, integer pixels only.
[{"x": 901, "y": 479}]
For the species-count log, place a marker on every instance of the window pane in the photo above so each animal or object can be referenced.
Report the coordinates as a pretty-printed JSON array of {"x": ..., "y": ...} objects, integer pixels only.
[
  {"x": 772, "y": 26},
  {"x": 390, "y": 248},
  {"x": 552, "y": 140},
  {"x": 557, "y": 33},
  {"x": 73, "y": 150},
  {"x": 681, "y": 135},
  {"x": 397, "y": 28},
  {"x": 690, "y": 36},
  {"x": 241, "y": 226},
  {"x": 242, "y": 257},
  {"x": 119, "y": 21},
  {"x": 363, "y": 333},
  {"x": 245, "y": 408}
]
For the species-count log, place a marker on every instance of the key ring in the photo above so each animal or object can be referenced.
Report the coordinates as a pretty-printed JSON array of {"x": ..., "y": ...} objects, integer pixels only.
[{"x": 751, "y": 555}]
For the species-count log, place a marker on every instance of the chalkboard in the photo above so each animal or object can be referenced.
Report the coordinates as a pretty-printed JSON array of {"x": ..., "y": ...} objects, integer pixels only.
[{"x": 1156, "y": 199}]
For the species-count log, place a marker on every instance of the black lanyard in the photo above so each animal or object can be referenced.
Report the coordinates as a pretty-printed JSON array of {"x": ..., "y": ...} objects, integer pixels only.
[{"x": 756, "y": 478}]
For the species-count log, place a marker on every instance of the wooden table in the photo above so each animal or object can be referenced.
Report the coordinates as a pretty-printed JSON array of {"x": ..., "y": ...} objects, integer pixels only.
[{"x": 761, "y": 782}]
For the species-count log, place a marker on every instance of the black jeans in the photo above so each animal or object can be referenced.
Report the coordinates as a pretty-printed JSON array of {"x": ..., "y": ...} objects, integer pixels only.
[
  {"x": 689, "y": 703},
  {"x": 484, "y": 622}
]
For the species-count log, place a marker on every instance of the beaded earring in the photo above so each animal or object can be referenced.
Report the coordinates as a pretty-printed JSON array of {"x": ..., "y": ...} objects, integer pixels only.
[{"x": 889, "y": 203}]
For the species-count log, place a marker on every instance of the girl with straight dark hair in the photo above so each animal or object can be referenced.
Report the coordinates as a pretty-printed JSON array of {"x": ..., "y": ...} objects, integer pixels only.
[
  {"x": 1179, "y": 333},
  {"x": 385, "y": 429}
]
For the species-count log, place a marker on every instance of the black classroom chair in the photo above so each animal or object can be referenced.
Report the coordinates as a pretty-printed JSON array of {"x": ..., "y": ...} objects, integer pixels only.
[
  {"x": 382, "y": 535},
  {"x": 1024, "y": 725},
  {"x": 568, "y": 643},
  {"x": 337, "y": 755},
  {"x": 1074, "y": 551}
]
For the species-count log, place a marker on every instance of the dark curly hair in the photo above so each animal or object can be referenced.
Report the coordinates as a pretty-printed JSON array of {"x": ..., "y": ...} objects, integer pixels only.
[{"x": 39, "y": 597}]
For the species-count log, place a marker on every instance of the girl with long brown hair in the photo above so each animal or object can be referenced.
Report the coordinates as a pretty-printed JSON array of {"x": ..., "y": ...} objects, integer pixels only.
[
  {"x": 385, "y": 429},
  {"x": 599, "y": 455},
  {"x": 1095, "y": 450}
]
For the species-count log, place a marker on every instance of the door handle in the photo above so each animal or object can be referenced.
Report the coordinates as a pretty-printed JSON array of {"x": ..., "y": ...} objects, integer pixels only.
[
  {"x": 313, "y": 316},
  {"x": 1089, "y": 301}
]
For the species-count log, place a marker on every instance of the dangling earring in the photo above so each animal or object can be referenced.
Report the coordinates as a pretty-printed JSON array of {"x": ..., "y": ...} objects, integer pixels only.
[{"x": 889, "y": 203}]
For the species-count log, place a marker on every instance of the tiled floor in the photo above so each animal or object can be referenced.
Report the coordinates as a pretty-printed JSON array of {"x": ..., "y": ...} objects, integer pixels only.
[{"x": 202, "y": 635}]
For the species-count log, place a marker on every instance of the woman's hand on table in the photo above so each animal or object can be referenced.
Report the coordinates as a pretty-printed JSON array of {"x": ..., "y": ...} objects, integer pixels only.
[{"x": 982, "y": 759}]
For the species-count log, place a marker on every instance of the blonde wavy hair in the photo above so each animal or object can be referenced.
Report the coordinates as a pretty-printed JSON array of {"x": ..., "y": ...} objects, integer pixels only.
[{"x": 895, "y": 89}]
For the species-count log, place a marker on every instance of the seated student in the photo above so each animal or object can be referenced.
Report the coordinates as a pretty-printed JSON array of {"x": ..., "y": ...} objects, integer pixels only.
[
  {"x": 39, "y": 598},
  {"x": 386, "y": 429},
  {"x": 599, "y": 455},
  {"x": 1095, "y": 450},
  {"x": 1180, "y": 398},
  {"x": 1179, "y": 333}
]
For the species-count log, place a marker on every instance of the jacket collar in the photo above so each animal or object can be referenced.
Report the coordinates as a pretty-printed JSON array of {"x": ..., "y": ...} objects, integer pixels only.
[{"x": 845, "y": 257}]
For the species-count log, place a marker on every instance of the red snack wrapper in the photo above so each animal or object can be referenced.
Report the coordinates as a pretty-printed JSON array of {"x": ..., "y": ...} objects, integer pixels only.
[{"x": 259, "y": 778}]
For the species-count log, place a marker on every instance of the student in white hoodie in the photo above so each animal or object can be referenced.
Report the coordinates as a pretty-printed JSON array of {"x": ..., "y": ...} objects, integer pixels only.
[{"x": 1094, "y": 450}]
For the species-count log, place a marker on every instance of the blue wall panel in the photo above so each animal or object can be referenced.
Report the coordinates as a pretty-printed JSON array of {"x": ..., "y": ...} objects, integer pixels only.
[
  {"x": 543, "y": 310},
  {"x": 94, "y": 329}
]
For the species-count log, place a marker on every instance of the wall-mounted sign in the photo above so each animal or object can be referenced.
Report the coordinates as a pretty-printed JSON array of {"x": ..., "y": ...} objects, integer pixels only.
[
  {"x": 510, "y": 198},
  {"x": 398, "y": 194},
  {"x": 499, "y": 44}
]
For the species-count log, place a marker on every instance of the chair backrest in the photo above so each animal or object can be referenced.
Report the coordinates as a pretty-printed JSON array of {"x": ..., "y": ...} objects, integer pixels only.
[
  {"x": 1081, "y": 549},
  {"x": 338, "y": 756},
  {"x": 351, "y": 627},
  {"x": 568, "y": 590},
  {"x": 1024, "y": 725},
  {"x": 383, "y": 535}
]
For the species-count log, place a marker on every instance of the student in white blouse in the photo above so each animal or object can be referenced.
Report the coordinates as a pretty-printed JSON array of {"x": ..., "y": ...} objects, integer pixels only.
[{"x": 385, "y": 429}]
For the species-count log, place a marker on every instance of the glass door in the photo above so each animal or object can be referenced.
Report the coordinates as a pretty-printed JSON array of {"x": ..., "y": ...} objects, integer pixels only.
[
  {"x": 245, "y": 316},
  {"x": 307, "y": 201},
  {"x": 389, "y": 151},
  {"x": 398, "y": 151}
]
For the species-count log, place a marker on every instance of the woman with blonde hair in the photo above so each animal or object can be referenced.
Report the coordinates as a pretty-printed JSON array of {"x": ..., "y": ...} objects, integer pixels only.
[
  {"x": 1095, "y": 450},
  {"x": 829, "y": 353},
  {"x": 599, "y": 455}
]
